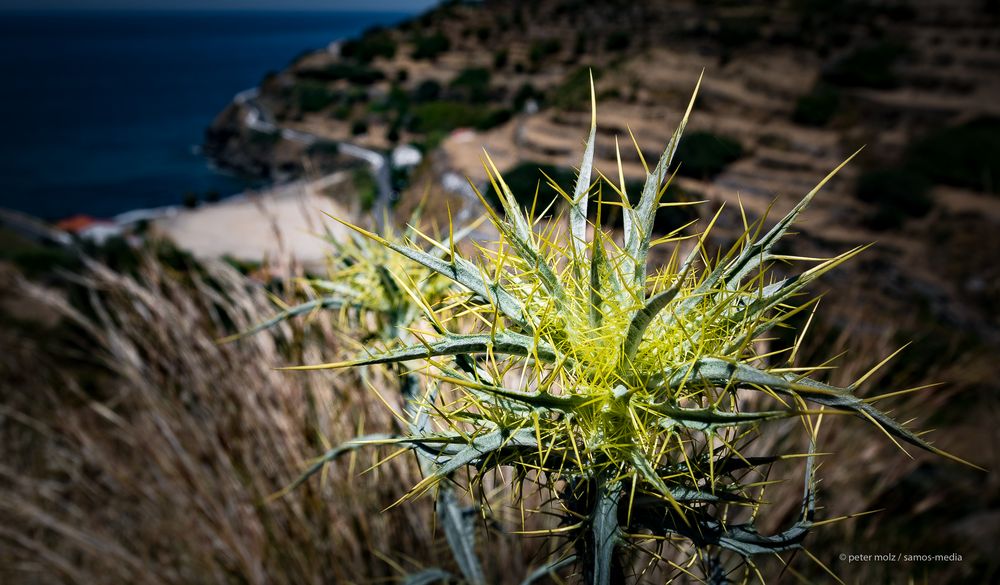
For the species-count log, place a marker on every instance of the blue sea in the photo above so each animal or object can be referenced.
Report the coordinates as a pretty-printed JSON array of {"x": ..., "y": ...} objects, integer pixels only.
[{"x": 103, "y": 112}]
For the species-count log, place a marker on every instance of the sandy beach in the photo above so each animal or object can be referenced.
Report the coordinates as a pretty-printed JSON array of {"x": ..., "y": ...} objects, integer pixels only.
[{"x": 280, "y": 225}]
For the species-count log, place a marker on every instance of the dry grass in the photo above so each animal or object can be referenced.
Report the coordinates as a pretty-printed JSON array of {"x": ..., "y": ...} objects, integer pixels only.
[
  {"x": 922, "y": 504},
  {"x": 144, "y": 452},
  {"x": 135, "y": 449}
]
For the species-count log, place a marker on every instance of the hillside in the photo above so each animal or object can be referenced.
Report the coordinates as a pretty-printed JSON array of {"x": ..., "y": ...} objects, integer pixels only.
[{"x": 790, "y": 90}]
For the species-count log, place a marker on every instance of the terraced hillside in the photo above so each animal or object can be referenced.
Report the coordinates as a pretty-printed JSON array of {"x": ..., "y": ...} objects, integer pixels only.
[{"x": 790, "y": 90}]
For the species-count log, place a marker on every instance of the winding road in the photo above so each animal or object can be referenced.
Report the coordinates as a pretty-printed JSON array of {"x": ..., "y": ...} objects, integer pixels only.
[{"x": 258, "y": 118}]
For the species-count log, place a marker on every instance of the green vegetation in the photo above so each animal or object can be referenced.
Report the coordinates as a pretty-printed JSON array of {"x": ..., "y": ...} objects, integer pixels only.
[
  {"x": 817, "y": 107},
  {"x": 628, "y": 398},
  {"x": 870, "y": 66},
  {"x": 964, "y": 156},
  {"x": 524, "y": 93},
  {"x": 35, "y": 259},
  {"x": 617, "y": 41},
  {"x": 427, "y": 91},
  {"x": 431, "y": 46},
  {"x": 737, "y": 32},
  {"x": 359, "y": 127},
  {"x": 312, "y": 96},
  {"x": 541, "y": 50},
  {"x": 527, "y": 178},
  {"x": 897, "y": 193},
  {"x": 704, "y": 155},
  {"x": 365, "y": 188},
  {"x": 500, "y": 59},
  {"x": 354, "y": 74},
  {"x": 375, "y": 42},
  {"x": 324, "y": 148},
  {"x": 446, "y": 115},
  {"x": 472, "y": 85},
  {"x": 574, "y": 92},
  {"x": 263, "y": 138}
]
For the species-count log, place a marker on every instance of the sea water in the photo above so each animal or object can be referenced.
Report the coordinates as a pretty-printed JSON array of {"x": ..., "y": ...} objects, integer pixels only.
[{"x": 103, "y": 112}]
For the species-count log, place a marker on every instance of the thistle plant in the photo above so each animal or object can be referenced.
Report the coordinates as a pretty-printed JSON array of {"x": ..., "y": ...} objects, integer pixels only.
[
  {"x": 630, "y": 394},
  {"x": 378, "y": 294},
  {"x": 365, "y": 287}
]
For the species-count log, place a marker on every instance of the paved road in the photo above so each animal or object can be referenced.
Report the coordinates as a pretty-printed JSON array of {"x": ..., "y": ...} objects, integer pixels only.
[{"x": 258, "y": 118}]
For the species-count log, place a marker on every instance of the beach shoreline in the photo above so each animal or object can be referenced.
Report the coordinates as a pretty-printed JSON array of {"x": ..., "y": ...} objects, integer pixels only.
[{"x": 279, "y": 225}]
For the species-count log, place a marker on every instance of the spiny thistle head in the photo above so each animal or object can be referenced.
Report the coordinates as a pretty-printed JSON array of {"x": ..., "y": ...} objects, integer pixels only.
[
  {"x": 572, "y": 363},
  {"x": 367, "y": 286}
]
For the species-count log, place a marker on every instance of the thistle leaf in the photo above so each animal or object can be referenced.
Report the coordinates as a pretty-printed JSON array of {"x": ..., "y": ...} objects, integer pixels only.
[
  {"x": 756, "y": 253},
  {"x": 709, "y": 419},
  {"x": 578, "y": 210},
  {"x": 460, "y": 271},
  {"x": 604, "y": 534},
  {"x": 645, "y": 315},
  {"x": 535, "y": 399},
  {"x": 460, "y": 532},
  {"x": 548, "y": 570},
  {"x": 327, "y": 302},
  {"x": 518, "y": 231},
  {"x": 429, "y": 576},
  {"x": 500, "y": 343},
  {"x": 476, "y": 449},
  {"x": 336, "y": 452},
  {"x": 724, "y": 374},
  {"x": 637, "y": 239}
]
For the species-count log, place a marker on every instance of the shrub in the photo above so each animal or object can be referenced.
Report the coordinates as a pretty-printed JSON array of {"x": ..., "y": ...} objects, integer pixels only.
[
  {"x": 355, "y": 74},
  {"x": 617, "y": 41},
  {"x": 524, "y": 93},
  {"x": 37, "y": 261},
  {"x": 528, "y": 176},
  {"x": 500, "y": 59},
  {"x": 494, "y": 118},
  {"x": 472, "y": 84},
  {"x": 704, "y": 155},
  {"x": 738, "y": 32},
  {"x": 264, "y": 138},
  {"x": 574, "y": 92},
  {"x": 365, "y": 188},
  {"x": 965, "y": 156},
  {"x": 445, "y": 116},
  {"x": 312, "y": 97},
  {"x": 324, "y": 148},
  {"x": 870, "y": 66},
  {"x": 359, "y": 127},
  {"x": 375, "y": 42},
  {"x": 817, "y": 107},
  {"x": 430, "y": 47},
  {"x": 427, "y": 91},
  {"x": 897, "y": 193},
  {"x": 542, "y": 49}
]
